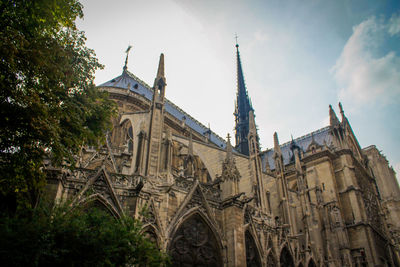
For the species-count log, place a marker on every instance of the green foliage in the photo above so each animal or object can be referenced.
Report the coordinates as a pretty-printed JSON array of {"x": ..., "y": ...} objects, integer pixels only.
[
  {"x": 78, "y": 237},
  {"x": 49, "y": 105}
]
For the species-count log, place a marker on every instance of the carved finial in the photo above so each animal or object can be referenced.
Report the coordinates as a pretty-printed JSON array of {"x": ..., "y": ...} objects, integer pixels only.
[
  {"x": 126, "y": 59},
  {"x": 277, "y": 148},
  {"x": 190, "y": 152},
  {"x": 228, "y": 147}
]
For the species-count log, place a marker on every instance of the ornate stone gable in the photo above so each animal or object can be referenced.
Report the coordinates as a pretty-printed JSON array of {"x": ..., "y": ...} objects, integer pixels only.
[
  {"x": 195, "y": 199},
  {"x": 229, "y": 170},
  {"x": 99, "y": 185}
]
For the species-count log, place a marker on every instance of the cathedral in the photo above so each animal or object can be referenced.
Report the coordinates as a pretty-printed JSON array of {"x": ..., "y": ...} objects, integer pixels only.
[{"x": 317, "y": 200}]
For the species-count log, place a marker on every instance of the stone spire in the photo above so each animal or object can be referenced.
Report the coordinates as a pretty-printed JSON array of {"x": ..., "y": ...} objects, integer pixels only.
[
  {"x": 277, "y": 148},
  {"x": 160, "y": 71},
  {"x": 156, "y": 122},
  {"x": 242, "y": 109},
  {"x": 277, "y": 154},
  {"x": 228, "y": 147},
  {"x": 160, "y": 81},
  {"x": 342, "y": 112},
  {"x": 333, "y": 120}
]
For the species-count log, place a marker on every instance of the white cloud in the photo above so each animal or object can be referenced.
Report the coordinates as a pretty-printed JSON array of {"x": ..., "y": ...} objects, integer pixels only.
[
  {"x": 325, "y": 122},
  {"x": 394, "y": 25},
  {"x": 363, "y": 77}
]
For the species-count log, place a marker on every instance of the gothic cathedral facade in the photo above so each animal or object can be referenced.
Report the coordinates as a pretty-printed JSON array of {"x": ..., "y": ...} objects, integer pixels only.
[{"x": 318, "y": 200}]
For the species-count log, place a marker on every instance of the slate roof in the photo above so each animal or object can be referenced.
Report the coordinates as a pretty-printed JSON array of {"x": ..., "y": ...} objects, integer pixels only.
[
  {"x": 127, "y": 80},
  {"x": 321, "y": 137}
]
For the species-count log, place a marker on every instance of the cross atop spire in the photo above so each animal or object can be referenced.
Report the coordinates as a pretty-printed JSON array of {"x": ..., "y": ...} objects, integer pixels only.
[
  {"x": 242, "y": 109},
  {"x": 126, "y": 59},
  {"x": 236, "y": 38}
]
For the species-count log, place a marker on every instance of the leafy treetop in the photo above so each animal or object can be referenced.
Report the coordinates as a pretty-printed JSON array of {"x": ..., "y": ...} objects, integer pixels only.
[{"x": 49, "y": 105}]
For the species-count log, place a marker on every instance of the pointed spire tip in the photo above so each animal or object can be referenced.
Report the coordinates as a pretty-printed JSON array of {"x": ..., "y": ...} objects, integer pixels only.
[{"x": 160, "y": 71}]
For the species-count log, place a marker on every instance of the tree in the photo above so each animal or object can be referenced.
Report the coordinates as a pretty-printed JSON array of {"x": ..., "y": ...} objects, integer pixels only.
[
  {"x": 77, "y": 237},
  {"x": 49, "y": 105}
]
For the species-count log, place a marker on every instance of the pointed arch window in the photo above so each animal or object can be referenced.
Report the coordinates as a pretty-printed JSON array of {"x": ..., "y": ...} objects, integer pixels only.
[
  {"x": 252, "y": 256},
  {"x": 286, "y": 258},
  {"x": 194, "y": 244},
  {"x": 311, "y": 263}
]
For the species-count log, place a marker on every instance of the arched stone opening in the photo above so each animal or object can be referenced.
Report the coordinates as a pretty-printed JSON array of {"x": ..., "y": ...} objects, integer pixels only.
[
  {"x": 286, "y": 258},
  {"x": 311, "y": 263},
  {"x": 194, "y": 244},
  {"x": 252, "y": 255},
  {"x": 121, "y": 137},
  {"x": 150, "y": 233},
  {"x": 98, "y": 202}
]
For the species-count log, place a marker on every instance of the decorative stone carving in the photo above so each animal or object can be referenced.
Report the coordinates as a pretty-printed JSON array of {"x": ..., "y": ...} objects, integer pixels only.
[
  {"x": 229, "y": 169},
  {"x": 370, "y": 201}
]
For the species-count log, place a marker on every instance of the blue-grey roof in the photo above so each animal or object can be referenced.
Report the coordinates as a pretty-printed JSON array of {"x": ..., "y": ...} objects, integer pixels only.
[
  {"x": 321, "y": 137},
  {"x": 129, "y": 81}
]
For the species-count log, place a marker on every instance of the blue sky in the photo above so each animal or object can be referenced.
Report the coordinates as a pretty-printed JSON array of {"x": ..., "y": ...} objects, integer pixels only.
[{"x": 297, "y": 56}]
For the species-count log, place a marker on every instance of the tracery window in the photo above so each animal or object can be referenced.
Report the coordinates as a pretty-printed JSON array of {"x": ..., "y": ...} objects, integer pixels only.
[
  {"x": 252, "y": 256},
  {"x": 194, "y": 244}
]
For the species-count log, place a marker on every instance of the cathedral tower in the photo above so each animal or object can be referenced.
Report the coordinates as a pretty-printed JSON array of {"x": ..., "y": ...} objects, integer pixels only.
[{"x": 242, "y": 108}]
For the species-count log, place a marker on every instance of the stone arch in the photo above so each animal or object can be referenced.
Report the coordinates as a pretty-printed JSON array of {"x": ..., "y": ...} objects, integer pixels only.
[
  {"x": 286, "y": 259},
  {"x": 195, "y": 243},
  {"x": 271, "y": 262},
  {"x": 152, "y": 234},
  {"x": 194, "y": 201},
  {"x": 122, "y": 135},
  {"x": 99, "y": 187},
  {"x": 253, "y": 258},
  {"x": 311, "y": 263},
  {"x": 98, "y": 201}
]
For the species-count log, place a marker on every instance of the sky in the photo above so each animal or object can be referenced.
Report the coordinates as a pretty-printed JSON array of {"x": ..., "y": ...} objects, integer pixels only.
[{"x": 297, "y": 57}]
